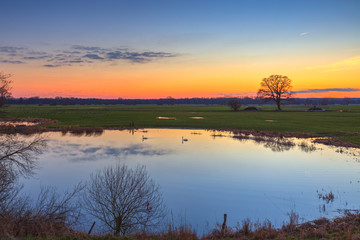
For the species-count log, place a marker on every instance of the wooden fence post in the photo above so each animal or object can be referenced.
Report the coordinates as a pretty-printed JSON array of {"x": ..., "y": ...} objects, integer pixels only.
[
  {"x": 92, "y": 226},
  {"x": 223, "y": 227}
]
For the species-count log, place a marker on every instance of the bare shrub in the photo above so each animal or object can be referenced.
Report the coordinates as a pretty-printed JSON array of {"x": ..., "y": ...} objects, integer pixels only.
[
  {"x": 246, "y": 226},
  {"x": 51, "y": 214},
  {"x": 17, "y": 158},
  {"x": 234, "y": 104},
  {"x": 293, "y": 222},
  {"x": 327, "y": 197},
  {"x": 60, "y": 208},
  {"x": 265, "y": 231},
  {"x": 181, "y": 232},
  {"x": 125, "y": 200}
]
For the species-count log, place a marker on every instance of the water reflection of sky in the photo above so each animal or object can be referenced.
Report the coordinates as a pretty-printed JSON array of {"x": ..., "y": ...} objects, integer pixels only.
[{"x": 207, "y": 176}]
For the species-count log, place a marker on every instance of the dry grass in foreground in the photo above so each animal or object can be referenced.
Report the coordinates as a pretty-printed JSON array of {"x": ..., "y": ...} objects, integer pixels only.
[{"x": 345, "y": 227}]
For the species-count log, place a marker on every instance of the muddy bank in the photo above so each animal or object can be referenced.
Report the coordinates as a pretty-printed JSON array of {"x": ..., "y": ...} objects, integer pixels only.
[
  {"x": 335, "y": 142},
  {"x": 27, "y": 121},
  {"x": 74, "y": 130},
  {"x": 36, "y": 125},
  {"x": 266, "y": 135}
]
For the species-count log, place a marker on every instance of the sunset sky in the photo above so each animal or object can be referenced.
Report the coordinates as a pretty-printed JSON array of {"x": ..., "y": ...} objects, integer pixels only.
[{"x": 155, "y": 49}]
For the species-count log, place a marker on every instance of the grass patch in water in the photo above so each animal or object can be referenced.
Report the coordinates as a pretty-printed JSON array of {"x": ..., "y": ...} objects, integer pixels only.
[{"x": 344, "y": 125}]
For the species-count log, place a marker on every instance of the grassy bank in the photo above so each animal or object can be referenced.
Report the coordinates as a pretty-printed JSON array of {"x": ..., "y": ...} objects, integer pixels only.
[
  {"x": 345, "y": 227},
  {"x": 342, "y": 122}
]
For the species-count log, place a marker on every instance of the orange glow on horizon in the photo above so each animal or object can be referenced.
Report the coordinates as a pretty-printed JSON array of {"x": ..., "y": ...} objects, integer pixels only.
[{"x": 230, "y": 78}]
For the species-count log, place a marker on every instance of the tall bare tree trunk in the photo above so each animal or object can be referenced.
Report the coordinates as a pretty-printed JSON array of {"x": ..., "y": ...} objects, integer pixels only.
[
  {"x": 278, "y": 104},
  {"x": 117, "y": 226}
]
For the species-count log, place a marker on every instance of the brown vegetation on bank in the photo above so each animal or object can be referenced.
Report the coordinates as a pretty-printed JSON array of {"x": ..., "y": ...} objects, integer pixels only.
[
  {"x": 29, "y": 130},
  {"x": 28, "y": 224},
  {"x": 335, "y": 142},
  {"x": 38, "y": 121},
  {"x": 345, "y": 227},
  {"x": 79, "y": 131}
]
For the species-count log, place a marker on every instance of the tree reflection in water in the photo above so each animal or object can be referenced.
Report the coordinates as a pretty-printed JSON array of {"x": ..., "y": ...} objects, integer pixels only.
[
  {"x": 50, "y": 213},
  {"x": 17, "y": 158},
  {"x": 277, "y": 144}
]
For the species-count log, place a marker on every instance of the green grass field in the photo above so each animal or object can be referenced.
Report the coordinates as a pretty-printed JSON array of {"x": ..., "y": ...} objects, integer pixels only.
[{"x": 345, "y": 124}]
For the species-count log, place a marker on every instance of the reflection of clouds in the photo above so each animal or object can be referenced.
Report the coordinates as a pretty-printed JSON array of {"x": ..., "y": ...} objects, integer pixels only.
[
  {"x": 135, "y": 149},
  {"x": 88, "y": 152},
  {"x": 91, "y": 150}
]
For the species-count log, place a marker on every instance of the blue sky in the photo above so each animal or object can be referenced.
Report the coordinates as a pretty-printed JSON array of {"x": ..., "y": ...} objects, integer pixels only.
[
  {"x": 147, "y": 23},
  {"x": 192, "y": 32}
]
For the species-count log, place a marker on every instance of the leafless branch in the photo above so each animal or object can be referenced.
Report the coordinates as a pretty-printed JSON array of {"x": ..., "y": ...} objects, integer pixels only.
[
  {"x": 17, "y": 158},
  {"x": 124, "y": 199},
  {"x": 51, "y": 214},
  {"x": 17, "y": 154}
]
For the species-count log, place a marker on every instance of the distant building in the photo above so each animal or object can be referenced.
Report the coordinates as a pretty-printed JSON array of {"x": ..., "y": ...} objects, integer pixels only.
[
  {"x": 316, "y": 109},
  {"x": 252, "y": 109}
]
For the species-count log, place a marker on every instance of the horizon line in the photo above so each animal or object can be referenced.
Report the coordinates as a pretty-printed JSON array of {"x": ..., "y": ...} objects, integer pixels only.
[{"x": 164, "y": 98}]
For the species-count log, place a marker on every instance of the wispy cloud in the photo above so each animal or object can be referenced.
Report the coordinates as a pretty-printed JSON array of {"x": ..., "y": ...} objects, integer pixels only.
[
  {"x": 78, "y": 55},
  {"x": 93, "y": 56},
  {"x": 320, "y": 90},
  {"x": 303, "y": 33},
  {"x": 346, "y": 64},
  {"x": 12, "y": 61},
  {"x": 90, "y": 49},
  {"x": 137, "y": 57},
  {"x": 10, "y": 49},
  {"x": 51, "y": 65},
  {"x": 236, "y": 95},
  {"x": 36, "y": 57}
]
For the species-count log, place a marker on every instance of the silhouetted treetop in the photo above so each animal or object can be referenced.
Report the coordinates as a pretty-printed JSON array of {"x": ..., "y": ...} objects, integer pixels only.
[{"x": 276, "y": 88}]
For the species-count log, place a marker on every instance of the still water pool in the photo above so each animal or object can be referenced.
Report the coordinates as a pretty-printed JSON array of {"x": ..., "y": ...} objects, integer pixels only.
[{"x": 204, "y": 174}]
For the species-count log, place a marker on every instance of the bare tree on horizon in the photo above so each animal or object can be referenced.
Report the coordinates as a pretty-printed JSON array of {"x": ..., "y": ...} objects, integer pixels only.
[
  {"x": 276, "y": 88},
  {"x": 5, "y": 87}
]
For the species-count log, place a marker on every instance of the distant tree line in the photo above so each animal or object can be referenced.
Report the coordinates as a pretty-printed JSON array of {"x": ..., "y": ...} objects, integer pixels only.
[
  {"x": 276, "y": 88},
  {"x": 171, "y": 101}
]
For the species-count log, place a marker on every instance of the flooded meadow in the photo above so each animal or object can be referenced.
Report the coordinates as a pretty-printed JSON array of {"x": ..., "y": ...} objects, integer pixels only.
[{"x": 205, "y": 174}]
